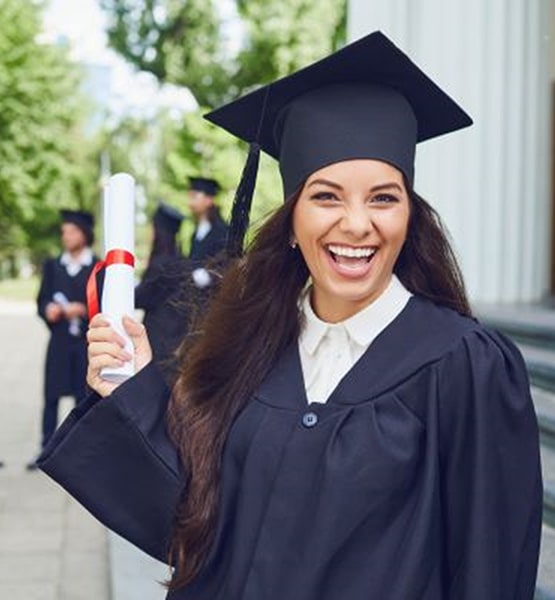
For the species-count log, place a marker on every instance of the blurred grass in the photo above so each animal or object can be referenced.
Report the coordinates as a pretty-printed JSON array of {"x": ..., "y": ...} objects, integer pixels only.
[{"x": 19, "y": 289}]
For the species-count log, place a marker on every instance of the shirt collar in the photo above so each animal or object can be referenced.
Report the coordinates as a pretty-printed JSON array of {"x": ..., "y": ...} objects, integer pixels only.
[
  {"x": 203, "y": 229},
  {"x": 364, "y": 326},
  {"x": 314, "y": 329},
  {"x": 84, "y": 259}
]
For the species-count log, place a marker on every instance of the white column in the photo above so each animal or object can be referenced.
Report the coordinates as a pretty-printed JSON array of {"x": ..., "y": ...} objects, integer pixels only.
[{"x": 490, "y": 183}]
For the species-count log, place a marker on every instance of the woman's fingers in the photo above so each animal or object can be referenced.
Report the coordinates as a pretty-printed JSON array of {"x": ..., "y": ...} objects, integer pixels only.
[
  {"x": 106, "y": 349},
  {"x": 102, "y": 361},
  {"x": 99, "y": 320},
  {"x": 137, "y": 333},
  {"x": 104, "y": 334},
  {"x": 135, "y": 330},
  {"x": 99, "y": 385},
  {"x": 101, "y": 330},
  {"x": 115, "y": 350}
]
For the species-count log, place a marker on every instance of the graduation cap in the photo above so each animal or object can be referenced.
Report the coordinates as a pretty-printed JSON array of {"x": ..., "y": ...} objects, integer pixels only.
[
  {"x": 168, "y": 218},
  {"x": 208, "y": 186},
  {"x": 367, "y": 100},
  {"x": 83, "y": 219}
]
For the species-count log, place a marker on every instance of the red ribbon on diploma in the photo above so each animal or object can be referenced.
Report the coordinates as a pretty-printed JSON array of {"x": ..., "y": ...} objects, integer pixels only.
[{"x": 113, "y": 257}]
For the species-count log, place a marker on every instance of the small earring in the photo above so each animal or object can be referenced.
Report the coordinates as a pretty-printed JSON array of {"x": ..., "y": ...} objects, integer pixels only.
[{"x": 293, "y": 244}]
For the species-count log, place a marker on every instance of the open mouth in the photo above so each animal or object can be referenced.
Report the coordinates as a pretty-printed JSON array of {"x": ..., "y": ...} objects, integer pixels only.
[{"x": 351, "y": 257}]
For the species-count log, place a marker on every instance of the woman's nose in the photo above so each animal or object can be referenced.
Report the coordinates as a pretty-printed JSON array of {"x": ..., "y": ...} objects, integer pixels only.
[{"x": 356, "y": 221}]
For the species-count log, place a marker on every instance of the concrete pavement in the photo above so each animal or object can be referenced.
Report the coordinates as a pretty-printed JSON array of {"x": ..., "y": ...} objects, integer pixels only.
[{"x": 50, "y": 548}]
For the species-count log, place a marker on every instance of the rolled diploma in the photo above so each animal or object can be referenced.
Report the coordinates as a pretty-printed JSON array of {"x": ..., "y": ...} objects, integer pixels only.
[{"x": 118, "y": 295}]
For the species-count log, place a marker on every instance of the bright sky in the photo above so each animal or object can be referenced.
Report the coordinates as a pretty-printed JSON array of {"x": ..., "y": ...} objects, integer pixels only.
[{"x": 82, "y": 24}]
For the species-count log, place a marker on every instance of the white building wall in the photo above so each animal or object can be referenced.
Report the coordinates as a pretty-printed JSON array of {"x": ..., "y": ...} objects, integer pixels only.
[{"x": 491, "y": 182}]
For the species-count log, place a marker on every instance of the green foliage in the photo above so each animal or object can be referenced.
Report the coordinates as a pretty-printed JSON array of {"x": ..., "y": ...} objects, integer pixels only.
[
  {"x": 196, "y": 147},
  {"x": 283, "y": 36},
  {"x": 39, "y": 135},
  {"x": 176, "y": 41},
  {"x": 187, "y": 42},
  {"x": 19, "y": 289}
]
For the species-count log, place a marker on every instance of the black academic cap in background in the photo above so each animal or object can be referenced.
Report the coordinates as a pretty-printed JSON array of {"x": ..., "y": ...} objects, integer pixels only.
[
  {"x": 367, "y": 100},
  {"x": 204, "y": 184},
  {"x": 83, "y": 219},
  {"x": 167, "y": 217}
]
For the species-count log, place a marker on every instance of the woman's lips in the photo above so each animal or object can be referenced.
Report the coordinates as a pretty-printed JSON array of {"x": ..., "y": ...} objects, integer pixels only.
[{"x": 349, "y": 261}]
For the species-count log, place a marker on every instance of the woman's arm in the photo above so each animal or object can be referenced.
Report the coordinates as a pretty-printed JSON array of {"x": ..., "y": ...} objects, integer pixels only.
[
  {"x": 115, "y": 457},
  {"x": 491, "y": 478},
  {"x": 48, "y": 311},
  {"x": 113, "y": 452}
]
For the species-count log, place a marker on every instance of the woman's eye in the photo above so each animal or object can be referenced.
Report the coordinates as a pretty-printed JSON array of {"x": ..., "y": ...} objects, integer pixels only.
[
  {"x": 324, "y": 196},
  {"x": 384, "y": 199}
]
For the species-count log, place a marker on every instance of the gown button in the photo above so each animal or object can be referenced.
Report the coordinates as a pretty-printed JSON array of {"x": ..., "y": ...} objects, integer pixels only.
[{"x": 310, "y": 419}]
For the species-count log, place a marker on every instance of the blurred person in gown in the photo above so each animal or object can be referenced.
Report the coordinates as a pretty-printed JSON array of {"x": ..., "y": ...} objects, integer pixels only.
[
  {"x": 61, "y": 304},
  {"x": 210, "y": 235},
  {"x": 164, "y": 292}
]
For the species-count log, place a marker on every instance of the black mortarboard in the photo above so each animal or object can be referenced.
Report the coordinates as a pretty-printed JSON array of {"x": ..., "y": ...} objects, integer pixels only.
[
  {"x": 204, "y": 184},
  {"x": 367, "y": 100},
  {"x": 168, "y": 218},
  {"x": 83, "y": 219}
]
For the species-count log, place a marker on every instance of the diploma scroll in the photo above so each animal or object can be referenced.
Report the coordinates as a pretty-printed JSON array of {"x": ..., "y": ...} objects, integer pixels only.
[
  {"x": 75, "y": 323},
  {"x": 118, "y": 293}
]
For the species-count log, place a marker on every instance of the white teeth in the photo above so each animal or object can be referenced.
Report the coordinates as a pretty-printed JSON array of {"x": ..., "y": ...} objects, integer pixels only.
[{"x": 351, "y": 252}]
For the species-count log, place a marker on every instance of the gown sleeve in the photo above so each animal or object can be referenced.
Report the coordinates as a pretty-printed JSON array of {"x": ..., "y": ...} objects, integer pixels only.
[
  {"x": 115, "y": 457},
  {"x": 45, "y": 291},
  {"x": 490, "y": 466}
]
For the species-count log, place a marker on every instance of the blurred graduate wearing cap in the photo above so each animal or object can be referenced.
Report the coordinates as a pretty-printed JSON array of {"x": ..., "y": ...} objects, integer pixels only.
[
  {"x": 342, "y": 427},
  {"x": 210, "y": 235},
  {"x": 163, "y": 292},
  {"x": 209, "y": 238},
  {"x": 61, "y": 304}
]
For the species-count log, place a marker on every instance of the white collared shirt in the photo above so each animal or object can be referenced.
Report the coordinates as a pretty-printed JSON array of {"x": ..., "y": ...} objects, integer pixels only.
[
  {"x": 203, "y": 229},
  {"x": 329, "y": 350},
  {"x": 74, "y": 264}
]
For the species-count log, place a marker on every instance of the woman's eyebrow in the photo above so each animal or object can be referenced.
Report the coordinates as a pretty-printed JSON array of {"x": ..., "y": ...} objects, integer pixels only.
[
  {"x": 376, "y": 188},
  {"x": 325, "y": 182},
  {"x": 385, "y": 186}
]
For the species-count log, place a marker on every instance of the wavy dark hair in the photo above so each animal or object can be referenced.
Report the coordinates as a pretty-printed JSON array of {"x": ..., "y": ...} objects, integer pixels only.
[
  {"x": 164, "y": 244},
  {"x": 250, "y": 321}
]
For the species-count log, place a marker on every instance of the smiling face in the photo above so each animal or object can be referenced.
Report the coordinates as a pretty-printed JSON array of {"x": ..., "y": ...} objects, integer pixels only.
[{"x": 350, "y": 222}]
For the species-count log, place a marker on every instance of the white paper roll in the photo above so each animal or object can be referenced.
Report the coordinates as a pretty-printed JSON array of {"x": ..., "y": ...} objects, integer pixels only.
[{"x": 118, "y": 295}]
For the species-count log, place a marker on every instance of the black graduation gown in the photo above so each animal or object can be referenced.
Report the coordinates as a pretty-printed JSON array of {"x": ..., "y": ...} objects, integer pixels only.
[
  {"x": 66, "y": 355},
  {"x": 169, "y": 298},
  {"x": 212, "y": 244},
  {"x": 419, "y": 479}
]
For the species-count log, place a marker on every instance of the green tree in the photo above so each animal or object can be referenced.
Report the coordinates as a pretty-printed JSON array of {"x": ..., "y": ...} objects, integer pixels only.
[
  {"x": 193, "y": 147},
  {"x": 177, "y": 41},
  {"x": 39, "y": 133},
  {"x": 188, "y": 43}
]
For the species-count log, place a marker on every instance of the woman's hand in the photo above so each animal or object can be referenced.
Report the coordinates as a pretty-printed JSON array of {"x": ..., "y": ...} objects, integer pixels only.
[{"x": 106, "y": 349}]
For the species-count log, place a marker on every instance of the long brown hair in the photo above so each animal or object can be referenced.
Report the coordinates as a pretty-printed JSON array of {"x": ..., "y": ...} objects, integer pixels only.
[
  {"x": 251, "y": 320},
  {"x": 427, "y": 265}
]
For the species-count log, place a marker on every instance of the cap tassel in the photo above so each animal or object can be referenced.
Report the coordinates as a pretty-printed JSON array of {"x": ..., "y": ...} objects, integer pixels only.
[{"x": 242, "y": 203}]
